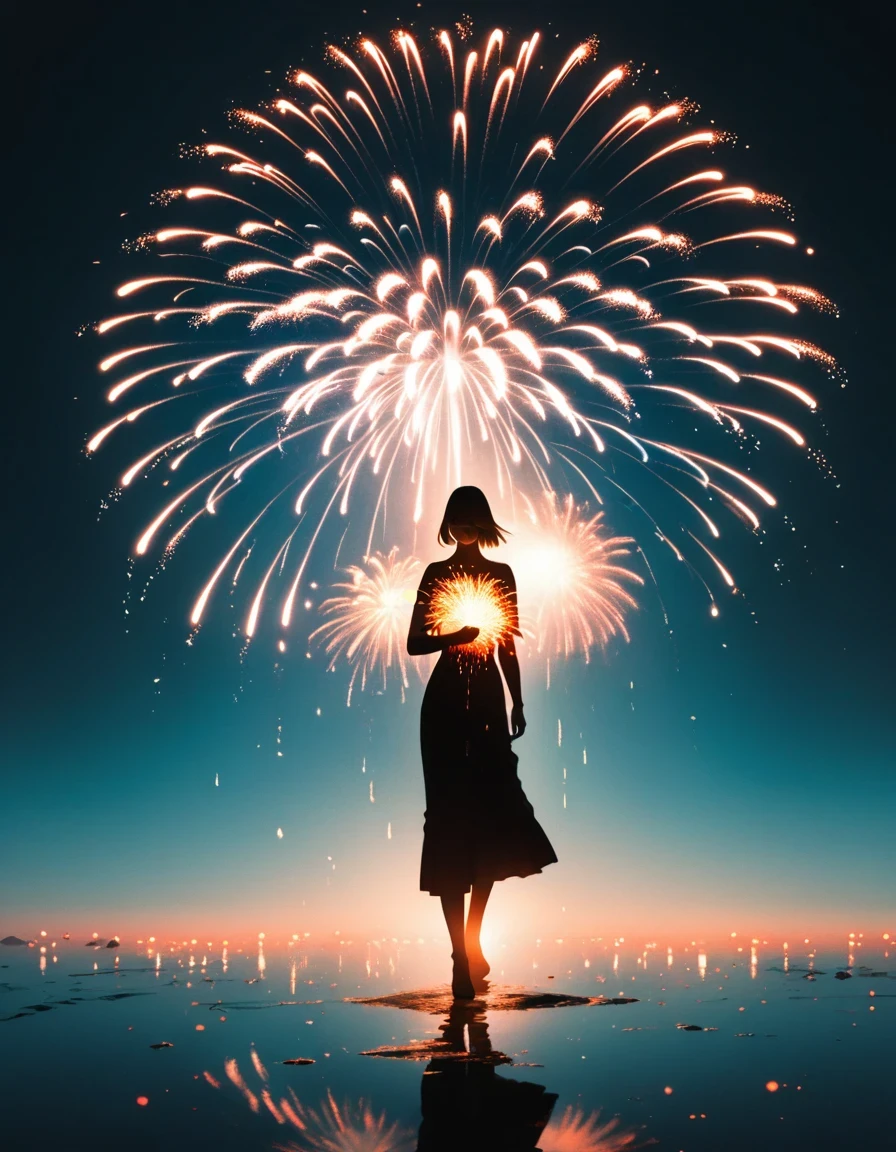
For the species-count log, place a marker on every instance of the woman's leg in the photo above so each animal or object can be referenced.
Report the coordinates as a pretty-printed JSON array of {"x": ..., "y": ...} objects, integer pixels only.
[
  {"x": 478, "y": 899},
  {"x": 453, "y": 909}
]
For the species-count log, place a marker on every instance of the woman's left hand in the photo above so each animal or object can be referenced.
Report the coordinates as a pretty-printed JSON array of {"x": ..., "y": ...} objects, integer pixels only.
[{"x": 517, "y": 722}]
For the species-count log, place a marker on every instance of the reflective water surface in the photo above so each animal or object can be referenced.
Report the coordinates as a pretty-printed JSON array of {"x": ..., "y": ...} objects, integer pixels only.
[{"x": 575, "y": 1046}]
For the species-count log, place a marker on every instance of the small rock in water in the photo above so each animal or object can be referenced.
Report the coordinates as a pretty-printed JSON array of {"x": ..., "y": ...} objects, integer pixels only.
[
  {"x": 12, "y": 941},
  {"x": 92, "y": 944},
  {"x": 689, "y": 1027},
  {"x": 114, "y": 943},
  {"x": 843, "y": 975},
  {"x": 162, "y": 1044},
  {"x": 298, "y": 1060}
]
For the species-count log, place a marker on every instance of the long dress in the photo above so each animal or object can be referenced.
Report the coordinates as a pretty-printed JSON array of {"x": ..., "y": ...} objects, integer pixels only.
[{"x": 478, "y": 823}]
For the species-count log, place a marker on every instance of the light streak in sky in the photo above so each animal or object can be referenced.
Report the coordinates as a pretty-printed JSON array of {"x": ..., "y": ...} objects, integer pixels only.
[{"x": 390, "y": 287}]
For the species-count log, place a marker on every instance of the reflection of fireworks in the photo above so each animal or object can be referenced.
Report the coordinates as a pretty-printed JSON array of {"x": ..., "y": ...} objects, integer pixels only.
[
  {"x": 576, "y": 1132},
  {"x": 331, "y": 1128},
  {"x": 367, "y": 625},
  {"x": 571, "y": 576},
  {"x": 351, "y": 1128},
  {"x": 450, "y": 315},
  {"x": 472, "y": 601}
]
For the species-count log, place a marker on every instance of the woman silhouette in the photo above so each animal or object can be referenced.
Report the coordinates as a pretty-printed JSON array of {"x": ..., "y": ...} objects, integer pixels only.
[{"x": 479, "y": 827}]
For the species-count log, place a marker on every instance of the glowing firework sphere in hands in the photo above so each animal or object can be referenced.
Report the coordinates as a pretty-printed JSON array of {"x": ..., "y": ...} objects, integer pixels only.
[
  {"x": 472, "y": 601},
  {"x": 449, "y": 258}
]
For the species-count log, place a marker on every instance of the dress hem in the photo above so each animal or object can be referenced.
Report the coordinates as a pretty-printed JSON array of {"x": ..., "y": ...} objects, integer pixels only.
[{"x": 494, "y": 880}]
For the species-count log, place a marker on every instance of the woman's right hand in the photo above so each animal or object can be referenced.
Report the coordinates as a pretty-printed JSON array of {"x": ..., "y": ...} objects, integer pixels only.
[{"x": 464, "y": 636}]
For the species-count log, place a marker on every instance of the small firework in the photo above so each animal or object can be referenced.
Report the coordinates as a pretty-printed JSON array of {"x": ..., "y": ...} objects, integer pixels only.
[
  {"x": 575, "y": 1131},
  {"x": 472, "y": 601},
  {"x": 329, "y": 1128},
  {"x": 367, "y": 623},
  {"x": 573, "y": 577}
]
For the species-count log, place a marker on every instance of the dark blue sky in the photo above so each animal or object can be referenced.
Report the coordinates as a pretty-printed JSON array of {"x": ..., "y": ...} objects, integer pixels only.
[{"x": 776, "y": 797}]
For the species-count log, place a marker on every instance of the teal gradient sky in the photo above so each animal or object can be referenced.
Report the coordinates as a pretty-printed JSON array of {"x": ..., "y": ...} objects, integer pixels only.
[{"x": 744, "y": 782}]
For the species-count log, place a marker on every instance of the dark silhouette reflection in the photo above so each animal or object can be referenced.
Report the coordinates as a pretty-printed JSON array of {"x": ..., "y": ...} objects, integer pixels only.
[
  {"x": 479, "y": 827},
  {"x": 466, "y": 1104}
]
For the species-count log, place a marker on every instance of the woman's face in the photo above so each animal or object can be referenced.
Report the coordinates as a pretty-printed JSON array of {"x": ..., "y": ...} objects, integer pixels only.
[{"x": 464, "y": 533}]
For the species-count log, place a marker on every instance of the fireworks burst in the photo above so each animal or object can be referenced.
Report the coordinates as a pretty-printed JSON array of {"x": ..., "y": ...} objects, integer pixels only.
[
  {"x": 367, "y": 623},
  {"x": 472, "y": 601},
  {"x": 329, "y": 1128},
  {"x": 572, "y": 579},
  {"x": 388, "y": 276},
  {"x": 575, "y": 1131}
]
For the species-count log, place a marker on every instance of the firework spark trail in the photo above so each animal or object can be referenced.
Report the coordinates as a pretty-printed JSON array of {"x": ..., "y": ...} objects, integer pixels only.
[{"x": 433, "y": 309}]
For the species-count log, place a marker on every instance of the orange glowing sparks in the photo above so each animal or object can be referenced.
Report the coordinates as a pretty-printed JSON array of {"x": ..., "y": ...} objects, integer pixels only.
[{"x": 465, "y": 601}]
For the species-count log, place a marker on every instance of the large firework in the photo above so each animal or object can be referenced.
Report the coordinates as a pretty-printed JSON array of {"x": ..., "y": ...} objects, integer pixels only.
[{"x": 446, "y": 262}]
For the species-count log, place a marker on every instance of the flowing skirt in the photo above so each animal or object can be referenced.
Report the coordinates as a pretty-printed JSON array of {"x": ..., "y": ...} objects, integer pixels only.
[{"x": 478, "y": 823}]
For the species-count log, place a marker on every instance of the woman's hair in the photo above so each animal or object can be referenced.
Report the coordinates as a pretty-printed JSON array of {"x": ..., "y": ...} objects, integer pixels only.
[{"x": 468, "y": 505}]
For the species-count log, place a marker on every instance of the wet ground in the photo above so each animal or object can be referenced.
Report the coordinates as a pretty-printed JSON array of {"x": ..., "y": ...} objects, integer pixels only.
[{"x": 576, "y": 1046}]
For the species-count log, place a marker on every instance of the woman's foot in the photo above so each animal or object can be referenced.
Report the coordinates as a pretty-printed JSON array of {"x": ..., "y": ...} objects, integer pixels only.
[
  {"x": 461, "y": 983},
  {"x": 479, "y": 966}
]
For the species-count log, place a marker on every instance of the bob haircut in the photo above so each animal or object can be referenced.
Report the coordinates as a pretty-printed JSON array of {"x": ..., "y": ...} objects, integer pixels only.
[{"x": 468, "y": 505}]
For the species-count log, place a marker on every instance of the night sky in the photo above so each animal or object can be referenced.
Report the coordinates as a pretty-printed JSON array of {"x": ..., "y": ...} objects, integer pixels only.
[{"x": 771, "y": 809}]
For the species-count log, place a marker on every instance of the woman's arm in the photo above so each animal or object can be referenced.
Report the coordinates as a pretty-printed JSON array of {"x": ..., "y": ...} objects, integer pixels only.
[
  {"x": 510, "y": 665},
  {"x": 421, "y": 642}
]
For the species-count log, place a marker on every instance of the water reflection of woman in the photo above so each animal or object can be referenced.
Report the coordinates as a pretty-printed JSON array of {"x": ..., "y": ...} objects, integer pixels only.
[
  {"x": 467, "y": 1105},
  {"x": 479, "y": 827}
]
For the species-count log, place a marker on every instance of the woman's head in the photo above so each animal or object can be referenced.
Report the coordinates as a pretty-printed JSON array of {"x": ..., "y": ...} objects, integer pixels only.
[{"x": 468, "y": 518}]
